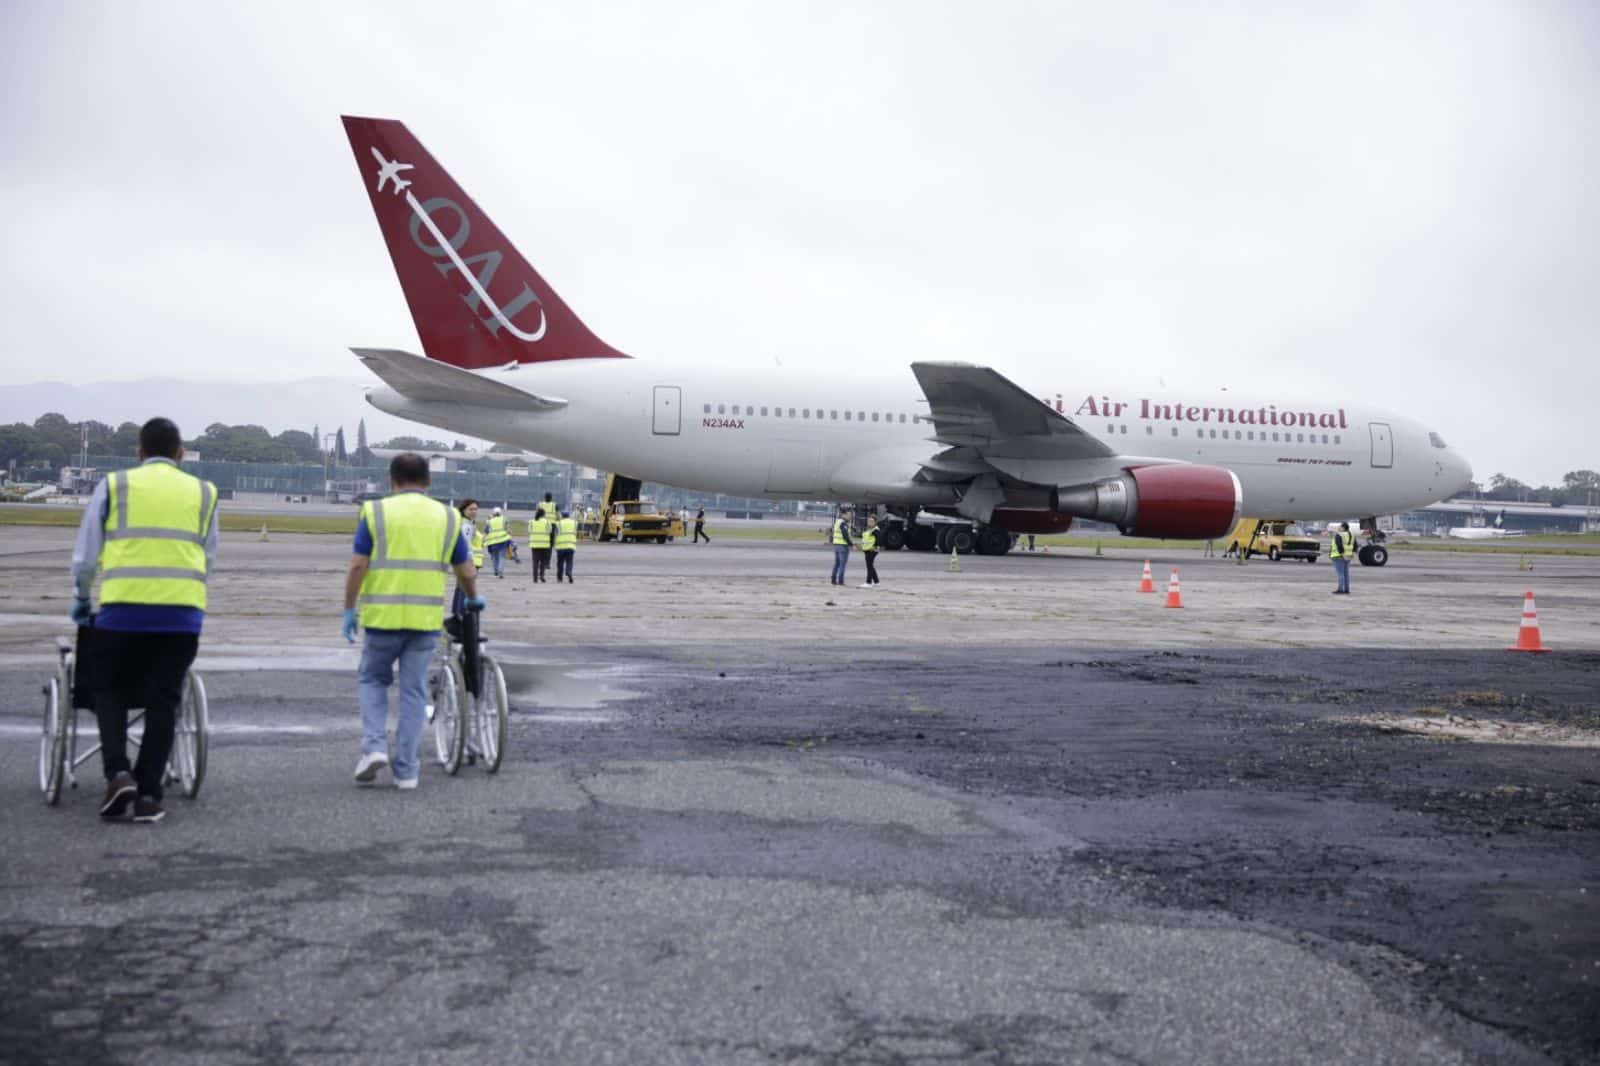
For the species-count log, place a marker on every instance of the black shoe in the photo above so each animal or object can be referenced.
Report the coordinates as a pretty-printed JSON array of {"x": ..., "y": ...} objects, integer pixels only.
[
  {"x": 146, "y": 809},
  {"x": 120, "y": 791}
]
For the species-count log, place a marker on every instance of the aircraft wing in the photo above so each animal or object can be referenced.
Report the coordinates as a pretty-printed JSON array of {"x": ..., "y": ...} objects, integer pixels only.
[
  {"x": 416, "y": 377},
  {"x": 977, "y": 407}
]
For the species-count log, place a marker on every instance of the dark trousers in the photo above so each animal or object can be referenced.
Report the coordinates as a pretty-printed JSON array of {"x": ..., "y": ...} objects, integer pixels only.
[
  {"x": 700, "y": 531},
  {"x": 541, "y": 563},
  {"x": 133, "y": 670},
  {"x": 872, "y": 571},
  {"x": 564, "y": 564}
]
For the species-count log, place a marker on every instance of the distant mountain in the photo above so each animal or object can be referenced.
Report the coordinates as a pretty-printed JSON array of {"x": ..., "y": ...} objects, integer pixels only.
[{"x": 278, "y": 405}]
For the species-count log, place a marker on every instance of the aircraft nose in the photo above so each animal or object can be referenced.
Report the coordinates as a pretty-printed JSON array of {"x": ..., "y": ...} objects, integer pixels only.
[{"x": 1463, "y": 470}]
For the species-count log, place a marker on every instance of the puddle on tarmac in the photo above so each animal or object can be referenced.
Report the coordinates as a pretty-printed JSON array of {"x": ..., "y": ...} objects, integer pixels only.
[{"x": 570, "y": 686}]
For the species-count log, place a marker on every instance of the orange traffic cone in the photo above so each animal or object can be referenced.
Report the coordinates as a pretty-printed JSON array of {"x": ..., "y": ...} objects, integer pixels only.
[
  {"x": 1528, "y": 638},
  {"x": 1174, "y": 596},
  {"x": 1147, "y": 583}
]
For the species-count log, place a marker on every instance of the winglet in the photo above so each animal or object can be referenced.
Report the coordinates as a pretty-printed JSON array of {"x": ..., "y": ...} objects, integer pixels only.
[{"x": 475, "y": 300}]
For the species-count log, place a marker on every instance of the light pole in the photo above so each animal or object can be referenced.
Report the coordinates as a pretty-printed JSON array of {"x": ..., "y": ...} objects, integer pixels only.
[{"x": 327, "y": 461}]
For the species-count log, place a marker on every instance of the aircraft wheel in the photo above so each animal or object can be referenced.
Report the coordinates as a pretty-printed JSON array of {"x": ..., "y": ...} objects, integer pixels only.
[
  {"x": 921, "y": 538},
  {"x": 964, "y": 540},
  {"x": 1274, "y": 554},
  {"x": 1373, "y": 555},
  {"x": 941, "y": 539},
  {"x": 994, "y": 541},
  {"x": 892, "y": 538}
]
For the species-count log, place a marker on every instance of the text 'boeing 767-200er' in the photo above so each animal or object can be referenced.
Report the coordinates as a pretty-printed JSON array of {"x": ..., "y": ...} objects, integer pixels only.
[{"x": 505, "y": 359}]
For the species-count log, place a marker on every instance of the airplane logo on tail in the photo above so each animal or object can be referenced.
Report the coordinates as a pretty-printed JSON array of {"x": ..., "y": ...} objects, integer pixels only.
[
  {"x": 389, "y": 170},
  {"x": 499, "y": 317}
]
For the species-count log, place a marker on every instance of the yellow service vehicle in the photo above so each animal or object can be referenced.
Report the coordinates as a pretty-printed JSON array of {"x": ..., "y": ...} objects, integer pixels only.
[
  {"x": 1276, "y": 538},
  {"x": 624, "y": 517}
]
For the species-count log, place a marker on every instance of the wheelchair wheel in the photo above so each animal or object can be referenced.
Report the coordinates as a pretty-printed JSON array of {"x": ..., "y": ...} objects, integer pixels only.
[
  {"x": 491, "y": 717},
  {"x": 53, "y": 737},
  {"x": 189, "y": 738},
  {"x": 449, "y": 736}
]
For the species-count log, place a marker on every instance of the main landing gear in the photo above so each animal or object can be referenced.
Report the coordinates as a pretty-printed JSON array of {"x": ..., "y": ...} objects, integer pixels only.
[{"x": 964, "y": 538}]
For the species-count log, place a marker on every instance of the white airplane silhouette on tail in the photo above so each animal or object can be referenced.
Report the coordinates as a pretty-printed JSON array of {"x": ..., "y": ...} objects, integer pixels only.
[{"x": 389, "y": 170}]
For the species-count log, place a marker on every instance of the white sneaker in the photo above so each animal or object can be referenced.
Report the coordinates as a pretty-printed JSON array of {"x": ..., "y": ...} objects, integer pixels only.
[
  {"x": 864, "y": 585},
  {"x": 406, "y": 784},
  {"x": 367, "y": 769}
]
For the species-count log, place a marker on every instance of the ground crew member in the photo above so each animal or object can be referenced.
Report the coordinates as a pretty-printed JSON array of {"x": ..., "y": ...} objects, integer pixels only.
[
  {"x": 841, "y": 544},
  {"x": 547, "y": 508},
  {"x": 566, "y": 545},
  {"x": 405, "y": 545},
  {"x": 541, "y": 531},
  {"x": 151, "y": 535},
  {"x": 474, "y": 535},
  {"x": 700, "y": 526},
  {"x": 869, "y": 550},
  {"x": 496, "y": 538},
  {"x": 1344, "y": 546}
]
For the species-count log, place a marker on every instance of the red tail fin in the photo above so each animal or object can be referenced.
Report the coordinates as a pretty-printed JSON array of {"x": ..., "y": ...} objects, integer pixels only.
[{"x": 475, "y": 300}]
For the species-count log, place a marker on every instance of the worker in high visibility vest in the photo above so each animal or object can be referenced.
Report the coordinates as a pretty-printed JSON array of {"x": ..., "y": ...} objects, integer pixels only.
[
  {"x": 469, "y": 529},
  {"x": 497, "y": 539},
  {"x": 405, "y": 547},
  {"x": 547, "y": 507},
  {"x": 1344, "y": 546},
  {"x": 869, "y": 550},
  {"x": 541, "y": 533},
  {"x": 566, "y": 545},
  {"x": 150, "y": 534},
  {"x": 840, "y": 537}
]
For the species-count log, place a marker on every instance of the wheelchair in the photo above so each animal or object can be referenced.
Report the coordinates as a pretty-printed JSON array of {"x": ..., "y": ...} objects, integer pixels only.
[
  {"x": 59, "y": 754},
  {"x": 467, "y": 700}
]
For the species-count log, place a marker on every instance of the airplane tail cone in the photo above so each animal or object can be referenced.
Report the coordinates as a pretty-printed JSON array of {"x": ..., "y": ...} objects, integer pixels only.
[
  {"x": 1174, "y": 594},
  {"x": 1528, "y": 638},
  {"x": 1147, "y": 583},
  {"x": 955, "y": 561}
]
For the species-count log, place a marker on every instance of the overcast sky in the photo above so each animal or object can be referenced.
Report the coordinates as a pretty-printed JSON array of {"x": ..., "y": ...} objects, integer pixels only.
[{"x": 1396, "y": 204}]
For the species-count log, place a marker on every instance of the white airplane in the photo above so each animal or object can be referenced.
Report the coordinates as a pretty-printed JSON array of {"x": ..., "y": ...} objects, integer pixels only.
[
  {"x": 507, "y": 360},
  {"x": 1491, "y": 532},
  {"x": 389, "y": 170}
]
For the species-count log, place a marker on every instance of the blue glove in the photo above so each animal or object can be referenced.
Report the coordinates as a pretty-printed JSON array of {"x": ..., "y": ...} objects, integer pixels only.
[
  {"x": 350, "y": 624},
  {"x": 475, "y": 603},
  {"x": 81, "y": 614}
]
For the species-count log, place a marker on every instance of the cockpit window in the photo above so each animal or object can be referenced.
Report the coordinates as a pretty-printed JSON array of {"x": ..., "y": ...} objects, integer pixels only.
[{"x": 1437, "y": 441}]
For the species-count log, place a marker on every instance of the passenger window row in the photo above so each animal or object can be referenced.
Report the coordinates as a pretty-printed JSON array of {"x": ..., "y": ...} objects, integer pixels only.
[
  {"x": 1237, "y": 434},
  {"x": 821, "y": 414}
]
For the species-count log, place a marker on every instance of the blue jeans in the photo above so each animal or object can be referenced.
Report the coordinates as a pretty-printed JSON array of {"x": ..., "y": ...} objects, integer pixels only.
[
  {"x": 841, "y": 556},
  {"x": 564, "y": 563},
  {"x": 1341, "y": 570},
  {"x": 414, "y": 650},
  {"x": 497, "y": 556}
]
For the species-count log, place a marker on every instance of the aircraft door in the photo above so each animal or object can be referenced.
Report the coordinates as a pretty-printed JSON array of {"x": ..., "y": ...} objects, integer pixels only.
[
  {"x": 1382, "y": 444},
  {"x": 668, "y": 419}
]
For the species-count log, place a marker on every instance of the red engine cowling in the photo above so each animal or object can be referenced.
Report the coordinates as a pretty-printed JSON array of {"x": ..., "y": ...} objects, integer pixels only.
[{"x": 1179, "y": 500}]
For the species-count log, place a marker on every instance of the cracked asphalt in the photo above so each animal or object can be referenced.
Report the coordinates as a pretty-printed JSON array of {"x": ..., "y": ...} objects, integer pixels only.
[{"x": 841, "y": 850}]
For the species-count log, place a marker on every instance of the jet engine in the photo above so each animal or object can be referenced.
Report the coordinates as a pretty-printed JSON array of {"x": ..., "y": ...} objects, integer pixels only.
[{"x": 1178, "y": 500}]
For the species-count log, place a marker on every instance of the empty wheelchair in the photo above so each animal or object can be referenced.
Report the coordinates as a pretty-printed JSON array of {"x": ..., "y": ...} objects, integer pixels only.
[{"x": 59, "y": 750}]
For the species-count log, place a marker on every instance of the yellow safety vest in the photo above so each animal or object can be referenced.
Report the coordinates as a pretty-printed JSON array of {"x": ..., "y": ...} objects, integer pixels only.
[
  {"x": 869, "y": 539},
  {"x": 1341, "y": 547},
  {"x": 838, "y": 532},
  {"x": 476, "y": 543},
  {"x": 413, "y": 538},
  {"x": 157, "y": 517},
  {"x": 539, "y": 532},
  {"x": 497, "y": 534},
  {"x": 566, "y": 534}
]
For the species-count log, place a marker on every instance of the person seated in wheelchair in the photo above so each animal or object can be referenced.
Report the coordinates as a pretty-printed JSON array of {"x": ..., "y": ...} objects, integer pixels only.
[
  {"x": 150, "y": 535},
  {"x": 469, "y": 529}
]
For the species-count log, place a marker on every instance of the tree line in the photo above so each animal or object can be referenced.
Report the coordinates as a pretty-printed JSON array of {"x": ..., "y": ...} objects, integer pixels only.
[
  {"x": 52, "y": 442},
  {"x": 1576, "y": 489}
]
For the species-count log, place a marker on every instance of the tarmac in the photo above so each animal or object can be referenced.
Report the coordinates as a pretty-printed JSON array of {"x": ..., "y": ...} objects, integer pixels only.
[{"x": 1015, "y": 814}]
